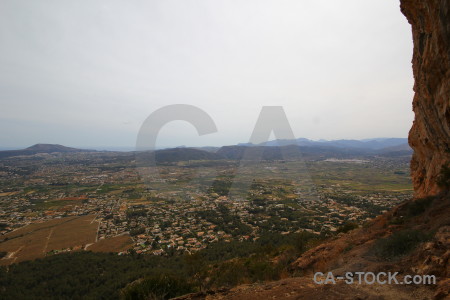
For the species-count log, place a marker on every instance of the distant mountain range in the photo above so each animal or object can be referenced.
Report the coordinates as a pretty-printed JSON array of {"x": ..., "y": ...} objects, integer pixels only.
[
  {"x": 41, "y": 148},
  {"x": 272, "y": 150},
  {"x": 184, "y": 154},
  {"x": 373, "y": 144}
]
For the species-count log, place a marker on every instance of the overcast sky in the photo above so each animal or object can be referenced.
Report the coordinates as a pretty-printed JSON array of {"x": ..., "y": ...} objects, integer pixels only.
[{"x": 88, "y": 73}]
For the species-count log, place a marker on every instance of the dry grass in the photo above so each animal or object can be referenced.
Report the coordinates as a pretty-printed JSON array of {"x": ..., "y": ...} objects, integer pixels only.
[
  {"x": 115, "y": 244},
  {"x": 78, "y": 232},
  {"x": 36, "y": 227},
  {"x": 35, "y": 240}
]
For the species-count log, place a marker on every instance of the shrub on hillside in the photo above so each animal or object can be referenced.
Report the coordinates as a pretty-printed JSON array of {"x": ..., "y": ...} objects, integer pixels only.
[
  {"x": 157, "y": 288},
  {"x": 418, "y": 206},
  {"x": 399, "y": 243},
  {"x": 346, "y": 227}
]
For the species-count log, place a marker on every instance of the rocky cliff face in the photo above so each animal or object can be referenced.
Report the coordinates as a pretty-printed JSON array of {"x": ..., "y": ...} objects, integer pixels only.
[{"x": 430, "y": 133}]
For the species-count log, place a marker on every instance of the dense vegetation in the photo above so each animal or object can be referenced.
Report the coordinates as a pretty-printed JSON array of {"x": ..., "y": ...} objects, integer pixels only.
[
  {"x": 155, "y": 287},
  {"x": 412, "y": 209},
  {"x": 399, "y": 243},
  {"x": 347, "y": 226},
  {"x": 87, "y": 275}
]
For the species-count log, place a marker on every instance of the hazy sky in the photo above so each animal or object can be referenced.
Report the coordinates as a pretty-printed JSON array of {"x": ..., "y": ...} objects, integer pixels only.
[{"x": 88, "y": 73}]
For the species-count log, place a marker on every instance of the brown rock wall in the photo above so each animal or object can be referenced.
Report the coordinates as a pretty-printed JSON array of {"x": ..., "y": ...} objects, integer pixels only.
[{"x": 430, "y": 133}]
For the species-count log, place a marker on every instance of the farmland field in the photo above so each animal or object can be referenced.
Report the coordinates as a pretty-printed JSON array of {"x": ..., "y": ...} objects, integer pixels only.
[{"x": 36, "y": 240}]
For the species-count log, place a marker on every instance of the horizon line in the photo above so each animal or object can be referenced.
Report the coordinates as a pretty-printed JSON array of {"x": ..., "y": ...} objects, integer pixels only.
[{"x": 133, "y": 148}]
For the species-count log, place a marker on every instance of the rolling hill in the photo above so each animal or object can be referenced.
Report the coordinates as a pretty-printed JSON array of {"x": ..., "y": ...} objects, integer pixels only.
[{"x": 41, "y": 148}]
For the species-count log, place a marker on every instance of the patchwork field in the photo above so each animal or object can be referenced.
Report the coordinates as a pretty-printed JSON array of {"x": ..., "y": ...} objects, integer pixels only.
[
  {"x": 40, "y": 239},
  {"x": 118, "y": 243},
  {"x": 36, "y": 240}
]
